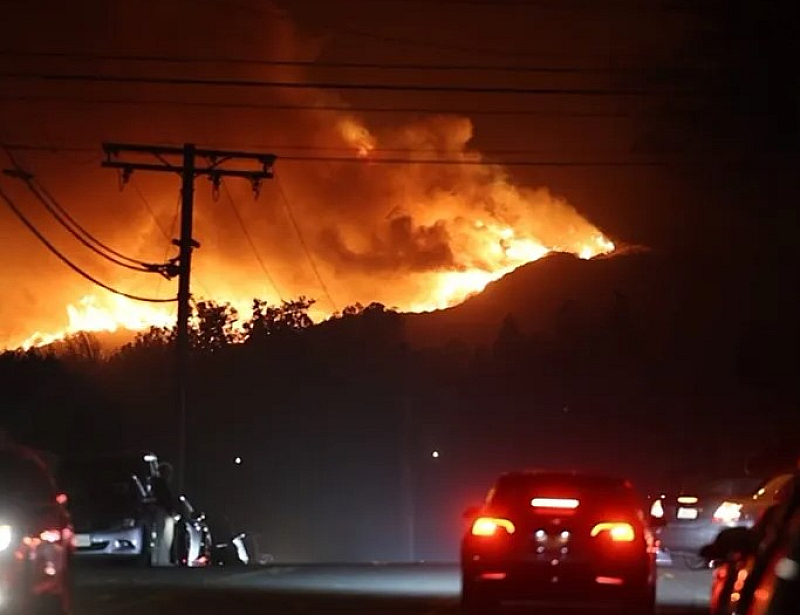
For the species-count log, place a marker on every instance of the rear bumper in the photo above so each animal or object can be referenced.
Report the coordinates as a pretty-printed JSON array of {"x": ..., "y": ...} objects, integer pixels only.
[
  {"x": 122, "y": 543},
  {"x": 562, "y": 584}
]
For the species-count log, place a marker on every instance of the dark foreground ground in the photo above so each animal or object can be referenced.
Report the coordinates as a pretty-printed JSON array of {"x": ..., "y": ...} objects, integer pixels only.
[{"x": 396, "y": 589}]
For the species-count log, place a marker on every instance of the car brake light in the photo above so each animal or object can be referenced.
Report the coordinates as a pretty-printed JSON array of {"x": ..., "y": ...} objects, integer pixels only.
[
  {"x": 488, "y": 526},
  {"x": 687, "y": 499},
  {"x": 618, "y": 531},
  {"x": 657, "y": 510},
  {"x": 728, "y": 512},
  {"x": 62, "y": 498},
  {"x": 567, "y": 503}
]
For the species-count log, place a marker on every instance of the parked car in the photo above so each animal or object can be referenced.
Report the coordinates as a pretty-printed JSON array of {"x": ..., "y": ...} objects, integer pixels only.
[
  {"x": 561, "y": 539},
  {"x": 193, "y": 543},
  {"x": 756, "y": 569},
  {"x": 35, "y": 538},
  {"x": 122, "y": 509}
]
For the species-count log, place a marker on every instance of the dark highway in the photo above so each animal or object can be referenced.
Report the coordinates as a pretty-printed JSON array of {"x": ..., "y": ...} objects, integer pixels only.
[{"x": 424, "y": 589}]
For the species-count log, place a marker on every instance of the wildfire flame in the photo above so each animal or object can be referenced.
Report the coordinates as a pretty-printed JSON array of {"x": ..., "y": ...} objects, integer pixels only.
[{"x": 450, "y": 231}]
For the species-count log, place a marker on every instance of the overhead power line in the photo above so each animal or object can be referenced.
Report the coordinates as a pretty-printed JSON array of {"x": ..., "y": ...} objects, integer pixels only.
[
  {"x": 329, "y": 85},
  {"x": 375, "y": 161},
  {"x": 68, "y": 222},
  {"x": 304, "y": 245},
  {"x": 18, "y": 213},
  {"x": 323, "y": 108},
  {"x": 250, "y": 241},
  {"x": 313, "y": 64}
]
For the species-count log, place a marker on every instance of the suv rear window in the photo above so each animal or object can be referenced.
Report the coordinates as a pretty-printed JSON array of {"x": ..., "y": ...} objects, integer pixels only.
[{"x": 24, "y": 480}]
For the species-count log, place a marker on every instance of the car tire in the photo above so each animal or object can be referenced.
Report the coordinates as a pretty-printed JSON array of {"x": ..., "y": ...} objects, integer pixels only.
[
  {"x": 476, "y": 600},
  {"x": 51, "y": 605},
  {"x": 644, "y": 604}
]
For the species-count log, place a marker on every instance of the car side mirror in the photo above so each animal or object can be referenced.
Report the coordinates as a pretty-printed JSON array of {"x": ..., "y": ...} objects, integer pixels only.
[{"x": 471, "y": 512}]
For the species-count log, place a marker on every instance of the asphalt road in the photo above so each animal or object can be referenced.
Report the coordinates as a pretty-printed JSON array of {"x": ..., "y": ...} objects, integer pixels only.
[{"x": 394, "y": 589}]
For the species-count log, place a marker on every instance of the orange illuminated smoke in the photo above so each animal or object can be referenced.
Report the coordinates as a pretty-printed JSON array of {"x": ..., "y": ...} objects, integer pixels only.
[
  {"x": 488, "y": 526},
  {"x": 618, "y": 531},
  {"x": 565, "y": 503}
]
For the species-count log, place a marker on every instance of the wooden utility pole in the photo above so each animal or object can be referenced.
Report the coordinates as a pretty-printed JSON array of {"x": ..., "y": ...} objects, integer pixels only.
[{"x": 183, "y": 161}]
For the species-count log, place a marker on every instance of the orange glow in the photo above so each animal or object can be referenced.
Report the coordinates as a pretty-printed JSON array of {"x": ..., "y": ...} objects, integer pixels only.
[
  {"x": 687, "y": 499},
  {"x": 493, "y": 576},
  {"x": 568, "y": 503},
  {"x": 619, "y": 531},
  {"x": 109, "y": 314},
  {"x": 415, "y": 237},
  {"x": 488, "y": 526}
]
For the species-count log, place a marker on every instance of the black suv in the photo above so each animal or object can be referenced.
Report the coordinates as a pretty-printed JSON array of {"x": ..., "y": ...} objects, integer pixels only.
[{"x": 559, "y": 539}]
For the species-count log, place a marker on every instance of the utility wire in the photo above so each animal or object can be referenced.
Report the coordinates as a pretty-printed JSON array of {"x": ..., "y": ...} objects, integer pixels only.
[
  {"x": 149, "y": 209},
  {"x": 250, "y": 240},
  {"x": 65, "y": 219},
  {"x": 329, "y": 85},
  {"x": 322, "y": 108},
  {"x": 17, "y": 212},
  {"x": 367, "y": 161},
  {"x": 443, "y": 67},
  {"x": 304, "y": 245}
]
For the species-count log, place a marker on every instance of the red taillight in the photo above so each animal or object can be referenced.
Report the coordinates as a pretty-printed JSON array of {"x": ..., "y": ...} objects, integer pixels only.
[
  {"x": 617, "y": 531},
  {"x": 62, "y": 498},
  {"x": 488, "y": 526},
  {"x": 609, "y": 580},
  {"x": 556, "y": 503}
]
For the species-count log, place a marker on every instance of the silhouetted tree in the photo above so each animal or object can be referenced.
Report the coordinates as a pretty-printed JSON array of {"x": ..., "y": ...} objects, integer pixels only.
[
  {"x": 213, "y": 326},
  {"x": 267, "y": 320}
]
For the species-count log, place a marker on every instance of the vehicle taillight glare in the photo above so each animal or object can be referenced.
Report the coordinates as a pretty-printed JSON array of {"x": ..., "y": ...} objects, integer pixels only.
[
  {"x": 62, "y": 498},
  {"x": 51, "y": 536},
  {"x": 618, "y": 531},
  {"x": 488, "y": 526},
  {"x": 657, "y": 510},
  {"x": 5, "y": 537},
  {"x": 728, "y": 512},
  {"x": 567, "y": 503}
]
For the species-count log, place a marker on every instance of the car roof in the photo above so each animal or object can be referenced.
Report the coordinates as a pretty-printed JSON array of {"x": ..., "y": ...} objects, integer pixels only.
[{"x": 573, "y": 477}]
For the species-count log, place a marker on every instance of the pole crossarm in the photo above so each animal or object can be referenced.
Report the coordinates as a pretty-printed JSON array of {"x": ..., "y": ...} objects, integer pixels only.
[
  {"x": 183, "y": 161},
  {"x": 215, "y": 158}
]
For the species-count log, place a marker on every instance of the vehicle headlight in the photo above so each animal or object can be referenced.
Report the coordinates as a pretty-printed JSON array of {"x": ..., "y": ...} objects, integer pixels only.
[
  {"x": 728, "y": 512},
  {"x": 5, "y": 537},
  {"x": 657, "y": 509}
]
